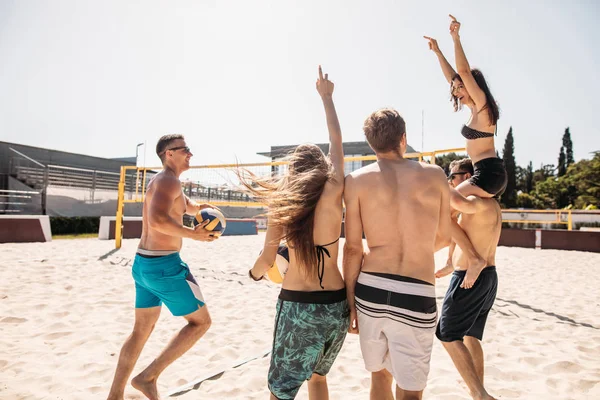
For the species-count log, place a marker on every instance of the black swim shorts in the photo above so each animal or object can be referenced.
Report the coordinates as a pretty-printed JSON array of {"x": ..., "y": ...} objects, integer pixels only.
[
  {"x": 465, "y": 311},
  {"x": 490, "y": 175}
]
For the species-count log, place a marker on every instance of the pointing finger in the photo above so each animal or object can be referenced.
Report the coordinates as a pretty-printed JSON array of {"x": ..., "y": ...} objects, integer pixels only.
[
  {"x": 320, "y": 73},
  {"x": 453, "y": 18},
  {"x": 326, "y": 76}
]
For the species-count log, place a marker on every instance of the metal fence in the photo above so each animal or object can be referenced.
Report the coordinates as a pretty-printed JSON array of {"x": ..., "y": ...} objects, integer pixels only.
[{"x": 29, "y": 183}]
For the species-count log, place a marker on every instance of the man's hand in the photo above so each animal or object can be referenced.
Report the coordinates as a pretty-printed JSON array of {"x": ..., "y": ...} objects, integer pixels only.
[
  {"x": 201, "y": 234},
  {"x": 353, "y": 328},
  {"x": 433, "y": 45},
  {"x": 206, "y": 205},
  {"x": 324, "y": 85}
]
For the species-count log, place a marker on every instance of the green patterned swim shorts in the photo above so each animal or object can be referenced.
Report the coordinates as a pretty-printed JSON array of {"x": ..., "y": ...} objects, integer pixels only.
[{"x": 310, "y": 328}]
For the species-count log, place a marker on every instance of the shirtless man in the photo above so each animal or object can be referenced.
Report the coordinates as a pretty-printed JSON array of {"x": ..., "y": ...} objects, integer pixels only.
[
  {"x": 159, "y": 273},
  {"x": 452, "y": 178},
  {"x": 466, "y": 308},
  {"x": 403, "y": 208}
]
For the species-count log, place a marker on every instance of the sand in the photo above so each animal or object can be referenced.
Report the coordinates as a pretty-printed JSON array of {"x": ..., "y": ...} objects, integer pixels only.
[{"x": 67, "y": 306}]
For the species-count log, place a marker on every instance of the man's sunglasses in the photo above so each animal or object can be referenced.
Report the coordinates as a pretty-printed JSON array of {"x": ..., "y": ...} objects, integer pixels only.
[
  {"x": 452, "y": 175},
  {"x": 185, "y": 148}
]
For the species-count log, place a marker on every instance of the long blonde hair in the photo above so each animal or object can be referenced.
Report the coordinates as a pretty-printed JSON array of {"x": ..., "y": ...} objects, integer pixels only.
[{"x": 292, "y": 199}]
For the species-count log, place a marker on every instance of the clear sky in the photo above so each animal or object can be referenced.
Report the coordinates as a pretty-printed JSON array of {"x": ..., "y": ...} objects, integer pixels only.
[{"x": 98, "y": 77}]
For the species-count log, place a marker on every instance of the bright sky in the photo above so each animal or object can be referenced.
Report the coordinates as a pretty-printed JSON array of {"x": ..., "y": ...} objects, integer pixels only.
[{"x": 98, "y": 77}]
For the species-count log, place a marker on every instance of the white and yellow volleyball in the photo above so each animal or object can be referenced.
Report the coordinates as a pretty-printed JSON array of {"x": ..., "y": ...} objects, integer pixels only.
[
  {"x": 217, "y": 223},
  {"x": 282, "y": 261}
]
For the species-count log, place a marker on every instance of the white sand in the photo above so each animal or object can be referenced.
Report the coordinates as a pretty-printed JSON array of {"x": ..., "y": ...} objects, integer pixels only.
[{"x": 67, "y": 306}]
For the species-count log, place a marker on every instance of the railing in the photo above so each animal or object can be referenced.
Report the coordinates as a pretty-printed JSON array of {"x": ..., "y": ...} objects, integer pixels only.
[
  {"x": 563, "y": 217},
  {"x": 89, "y": 185},
  {"x": 19, "y": 201},
  {"x": 57, "y": 175},
  {"x": 41, "y": 182}
]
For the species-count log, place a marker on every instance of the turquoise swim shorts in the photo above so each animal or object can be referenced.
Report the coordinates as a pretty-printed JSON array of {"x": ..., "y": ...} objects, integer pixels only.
[{"x": 165, "y": 279}]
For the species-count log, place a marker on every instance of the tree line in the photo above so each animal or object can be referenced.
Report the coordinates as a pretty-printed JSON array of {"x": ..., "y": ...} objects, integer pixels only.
[{"x": 567, "y": 184}]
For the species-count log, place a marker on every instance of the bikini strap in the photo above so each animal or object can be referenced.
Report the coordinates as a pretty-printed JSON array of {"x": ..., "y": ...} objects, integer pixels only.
[
  {"x": 321, "y": 253},
  {"x": 328, "y": 244}
]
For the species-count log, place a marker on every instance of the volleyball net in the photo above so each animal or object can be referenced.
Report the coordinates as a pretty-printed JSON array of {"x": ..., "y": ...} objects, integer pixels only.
[{"x": 219, "y": 184}]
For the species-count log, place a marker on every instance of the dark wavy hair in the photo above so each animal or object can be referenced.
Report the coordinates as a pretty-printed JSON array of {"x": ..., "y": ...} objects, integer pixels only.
[
  {"x": 490, "y": 102},
  {"x": 292, "y": 199}
]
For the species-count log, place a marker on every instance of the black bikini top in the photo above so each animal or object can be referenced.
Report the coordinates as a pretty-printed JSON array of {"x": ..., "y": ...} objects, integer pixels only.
[
  {"x": 472, "y": 134},
  {"x": 321, "y": 252}
]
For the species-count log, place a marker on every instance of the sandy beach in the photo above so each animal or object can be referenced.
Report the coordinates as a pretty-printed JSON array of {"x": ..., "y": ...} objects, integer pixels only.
[{"x": 67, "y": 306}]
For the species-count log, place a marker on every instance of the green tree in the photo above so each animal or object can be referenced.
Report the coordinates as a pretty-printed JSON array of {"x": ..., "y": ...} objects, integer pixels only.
[
  {"x": 520, "y": 172},
  {"x": 579, "y": 187},
  {"x": 529, "y": 178},
  {"x": 525, "y": 178},
  {"x": 568, "y": 145},
  {"x": 508, "y": 155},
  {"x": 544, "y": 172},
  {"x": 445, "y": 160},
  {"x": 562, "y": 162}
]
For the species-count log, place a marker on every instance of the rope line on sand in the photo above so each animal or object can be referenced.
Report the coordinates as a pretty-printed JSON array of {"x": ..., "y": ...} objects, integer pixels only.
[
  {"x": 562, "y": 318},
  {"x": 195, "y": 383}
]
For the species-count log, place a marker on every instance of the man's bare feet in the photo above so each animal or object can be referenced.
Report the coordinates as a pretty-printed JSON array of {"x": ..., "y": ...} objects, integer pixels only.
[
  {"x": 146, "y": 386},
  {"x": 448, "y": 269},
  {"x": 475, "y": 268}
]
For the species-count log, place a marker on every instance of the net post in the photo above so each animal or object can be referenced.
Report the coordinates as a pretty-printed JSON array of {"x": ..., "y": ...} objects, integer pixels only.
[
  {"x": 144, "y": 184},
  {"x": 137, "y": 183},
  {"x": 569, "y": 221},
  {"x": 119, "y": 216}
]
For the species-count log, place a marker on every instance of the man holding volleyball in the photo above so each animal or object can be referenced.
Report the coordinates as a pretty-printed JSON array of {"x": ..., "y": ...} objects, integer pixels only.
[{"x": 159, "y": 273}]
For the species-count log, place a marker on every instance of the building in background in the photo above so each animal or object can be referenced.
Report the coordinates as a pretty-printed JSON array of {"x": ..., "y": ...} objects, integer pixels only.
[{"x": 351, "y": 149}]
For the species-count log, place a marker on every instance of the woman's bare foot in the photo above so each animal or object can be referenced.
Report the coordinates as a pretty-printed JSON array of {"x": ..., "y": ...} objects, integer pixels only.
[
  {"x": 146, "y": 386},
  {"x": 475, "y": 268},
  {"x": 448, "y": 269},
  {"x": 486, "y": 397}
]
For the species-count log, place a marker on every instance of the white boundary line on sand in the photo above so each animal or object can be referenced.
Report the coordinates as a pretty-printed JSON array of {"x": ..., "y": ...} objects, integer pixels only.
[{"x": 195, "y": 383}]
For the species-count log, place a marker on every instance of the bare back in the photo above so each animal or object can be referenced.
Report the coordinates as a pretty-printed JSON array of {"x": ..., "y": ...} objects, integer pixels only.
[
  {"x": 327, "y": 224},
  {"x": 400, "y": 203},
  {"x": 164, "y": 186},
  {"x": 483, "y": 229}
]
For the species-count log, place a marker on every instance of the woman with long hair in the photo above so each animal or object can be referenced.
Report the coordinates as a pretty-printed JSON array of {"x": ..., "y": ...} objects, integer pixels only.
[
  {"x": 305, "y": 210},
  {"x": 468, "y": 87}
]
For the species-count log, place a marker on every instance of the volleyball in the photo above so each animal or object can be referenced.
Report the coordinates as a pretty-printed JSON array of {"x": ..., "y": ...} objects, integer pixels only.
[
  {"x": 217, "y": 223},
  {"x": 282, "y": 261}
]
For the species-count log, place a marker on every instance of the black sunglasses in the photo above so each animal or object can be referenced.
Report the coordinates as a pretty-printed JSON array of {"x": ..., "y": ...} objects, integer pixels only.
[
  {"x": 452, "y": 175},
  {"x": 185, "y": 148}
]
